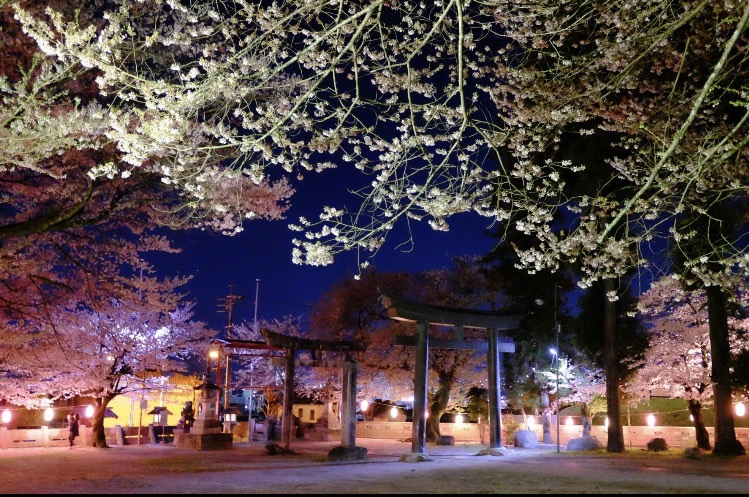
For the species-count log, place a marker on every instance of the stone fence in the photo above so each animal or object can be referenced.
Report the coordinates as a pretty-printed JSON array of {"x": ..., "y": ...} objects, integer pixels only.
[
  {"x": 44, "y": 436},
  {"x": 41, "y": 437},
  {"x": 634, "y": 436}
]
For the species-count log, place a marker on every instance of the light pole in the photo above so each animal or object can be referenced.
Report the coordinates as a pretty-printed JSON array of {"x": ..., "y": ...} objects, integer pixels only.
[
  {"x": 214, "y": 355},
  {"x": 555, "y": 354}
]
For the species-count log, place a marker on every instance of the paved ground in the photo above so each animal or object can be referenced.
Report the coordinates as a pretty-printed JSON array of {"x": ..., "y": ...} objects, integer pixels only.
[{"x": 249, "y": 468}]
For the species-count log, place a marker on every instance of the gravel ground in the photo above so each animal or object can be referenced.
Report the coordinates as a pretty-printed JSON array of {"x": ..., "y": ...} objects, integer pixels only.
[{"x": 249, "y": 468}]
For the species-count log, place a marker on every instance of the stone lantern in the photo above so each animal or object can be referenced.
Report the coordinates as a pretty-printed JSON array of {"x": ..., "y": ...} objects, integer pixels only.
[{"x": 205, "y": 432}]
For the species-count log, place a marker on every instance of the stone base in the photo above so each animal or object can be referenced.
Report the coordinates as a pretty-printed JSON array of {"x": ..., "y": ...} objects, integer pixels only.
[
  {"x": 446, "y": 440},
  {"x": 204, "y": 441},
  {"x": 347, "y": 454},
  {"x": 203, "y": 426},
  {"x": 323, "y": 435},
  {"x": 414, "y": 457},
  {"x": 500, "y": 451}
]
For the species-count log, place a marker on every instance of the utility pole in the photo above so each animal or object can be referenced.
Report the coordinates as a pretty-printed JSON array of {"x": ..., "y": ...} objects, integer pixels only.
[
  {"x": 228, "y": 306},
  {"x": 252, "y": 364},
  {"x": 257, "y": 290}
]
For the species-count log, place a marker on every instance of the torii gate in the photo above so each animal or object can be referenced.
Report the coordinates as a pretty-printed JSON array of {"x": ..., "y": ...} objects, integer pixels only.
[
  {"x": 275, "y": 342},
  {"x": 424, "y": 315},
  {"x": 347, "y": 449}
]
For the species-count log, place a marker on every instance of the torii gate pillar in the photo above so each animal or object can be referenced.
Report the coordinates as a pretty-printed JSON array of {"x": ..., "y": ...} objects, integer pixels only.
[
  {"x": 419, "y": 428},
  {"x": 495, "y": 397}
]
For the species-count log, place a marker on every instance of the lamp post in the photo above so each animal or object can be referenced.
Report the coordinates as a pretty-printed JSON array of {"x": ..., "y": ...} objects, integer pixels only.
[
  {"x": 214, "y": 355},
  {"x": 555, "y": 354}
]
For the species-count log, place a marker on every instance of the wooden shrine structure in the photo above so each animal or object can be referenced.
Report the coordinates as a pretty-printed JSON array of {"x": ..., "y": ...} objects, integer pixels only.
[{"x": 425, "y": 315}]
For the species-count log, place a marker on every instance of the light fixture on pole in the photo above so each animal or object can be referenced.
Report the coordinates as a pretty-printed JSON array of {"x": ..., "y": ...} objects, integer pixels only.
[
  {"x": 213, "y": 355},
  {"x": 555, "y": 354},
  {"x": 557, "y": 326}
]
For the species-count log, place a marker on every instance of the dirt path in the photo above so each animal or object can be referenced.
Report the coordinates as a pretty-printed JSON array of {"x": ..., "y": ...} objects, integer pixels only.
[{"x": 248, "y": 468}]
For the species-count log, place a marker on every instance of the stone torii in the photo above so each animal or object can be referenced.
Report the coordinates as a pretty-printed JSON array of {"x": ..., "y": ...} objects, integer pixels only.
[{"x": 423, "y": 315}]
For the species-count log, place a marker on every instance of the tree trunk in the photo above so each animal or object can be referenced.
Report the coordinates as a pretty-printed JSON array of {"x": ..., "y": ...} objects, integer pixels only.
[
  {"x": 585, "y": 415},
  {"x": 98, "y": 436},
  {"x": 703, "y": 437},
  {"x": 437, "y": 407},
  {"x": 726, "y": 443},
  {"x": 611, "y": 361}
]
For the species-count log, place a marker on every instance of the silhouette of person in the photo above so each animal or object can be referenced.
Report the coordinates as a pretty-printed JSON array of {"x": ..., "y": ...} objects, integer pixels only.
[{"x": 73, "y": 427}]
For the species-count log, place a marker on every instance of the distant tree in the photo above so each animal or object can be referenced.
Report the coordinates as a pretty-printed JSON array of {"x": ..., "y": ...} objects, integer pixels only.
[
  {"x": 255, "y": 366},
  {"x": 100, "y": 354},
  {"x": 353, "y": 309}
]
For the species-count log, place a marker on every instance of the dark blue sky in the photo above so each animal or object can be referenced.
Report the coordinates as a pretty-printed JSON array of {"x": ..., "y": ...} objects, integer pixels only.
[{"x": 263, "y": 251}]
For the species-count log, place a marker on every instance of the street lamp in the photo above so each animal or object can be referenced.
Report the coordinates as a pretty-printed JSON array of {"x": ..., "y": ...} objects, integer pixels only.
[
  {"x": 555, "y": 354},
  {"x": 213, "y": 355}
]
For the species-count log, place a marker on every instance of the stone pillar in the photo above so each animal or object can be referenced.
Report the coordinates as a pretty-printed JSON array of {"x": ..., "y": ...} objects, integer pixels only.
[
  {"x": 348, "y": 405},
  {"x": 86, "y": 435},
  {"x": 287, "y": 419},
  {"x": 152, "y": 436},
  {"x": 119, "y": 435},
  {"x": 45, "y": 436}
]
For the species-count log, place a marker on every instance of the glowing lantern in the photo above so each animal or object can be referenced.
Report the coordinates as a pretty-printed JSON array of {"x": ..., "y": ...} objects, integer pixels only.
[
  {"x": 49, "y": 413},
  {"x": 651, "y": 420},
  {"x": 740, "y": 409},
  {"x": 393, "y": 412}
]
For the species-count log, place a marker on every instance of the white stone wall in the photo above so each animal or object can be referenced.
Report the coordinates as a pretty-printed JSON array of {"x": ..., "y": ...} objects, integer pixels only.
[{"x": 634, "y": 436}]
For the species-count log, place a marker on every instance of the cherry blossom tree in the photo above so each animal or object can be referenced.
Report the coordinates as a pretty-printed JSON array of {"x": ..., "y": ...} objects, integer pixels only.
[
  {"x": 255, "y": 366},
  {"x": 679, "y": 359},
  {"x": 76, "y": 236},
  {"x": 448, "y": 107},
  {"x": 99, "y": 353}
]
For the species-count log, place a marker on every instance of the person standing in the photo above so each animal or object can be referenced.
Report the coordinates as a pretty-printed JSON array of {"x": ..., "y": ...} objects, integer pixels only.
[
  {"x": 73, "y": 427},
  {"x": 271, "y": 427}
]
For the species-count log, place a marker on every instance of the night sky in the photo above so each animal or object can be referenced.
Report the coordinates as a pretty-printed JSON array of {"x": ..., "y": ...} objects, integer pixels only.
[{"x": 263, "y": 251}]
